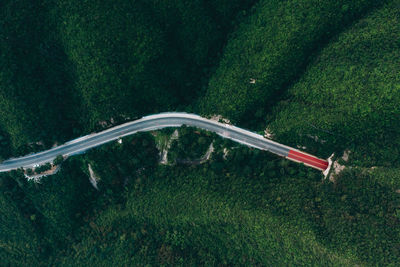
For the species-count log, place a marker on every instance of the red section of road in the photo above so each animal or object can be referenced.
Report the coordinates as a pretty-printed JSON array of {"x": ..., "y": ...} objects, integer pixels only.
[{"x": 309, "y": 160}]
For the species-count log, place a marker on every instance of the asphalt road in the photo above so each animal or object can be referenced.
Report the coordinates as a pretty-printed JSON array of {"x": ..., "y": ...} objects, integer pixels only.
[{"x": 158, "y": 121}]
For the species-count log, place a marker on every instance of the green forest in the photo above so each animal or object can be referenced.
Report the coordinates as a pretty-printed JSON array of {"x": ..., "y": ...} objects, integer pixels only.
[{"x": 323, "y": 76}]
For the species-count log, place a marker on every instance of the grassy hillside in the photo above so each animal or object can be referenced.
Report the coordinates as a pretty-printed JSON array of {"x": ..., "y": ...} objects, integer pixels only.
[
  {"x": 350, "y": 95},
  {"x": 273, "y": 46}
]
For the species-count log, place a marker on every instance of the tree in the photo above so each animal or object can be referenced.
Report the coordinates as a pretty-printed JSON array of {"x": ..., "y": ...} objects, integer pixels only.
[
  {"x": 29, "y": 171},
  {"x": 264, "y": 55},
  {"x": 58, "y": 160}
]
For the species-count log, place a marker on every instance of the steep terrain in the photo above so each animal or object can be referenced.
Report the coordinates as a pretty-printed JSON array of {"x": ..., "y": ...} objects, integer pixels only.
[
  {"x": 323, "y": 75},
  {"x": 270, "y": 50},
  {"x": 350, "y": 95}
]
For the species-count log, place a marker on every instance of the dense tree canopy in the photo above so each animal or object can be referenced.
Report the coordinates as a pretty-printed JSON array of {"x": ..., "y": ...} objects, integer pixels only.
[
  {"x": 68, "y": 66},
  {"x": 120, "y": 74},
  {"x": 350, "y": 95},
  {"x": 20, "y": 243},
  {"x": 270, "y": 50},
  {"x": 265, "y": 209},
  {"x": 34, "y": 102},
  {"x": 321, "y": 75}
]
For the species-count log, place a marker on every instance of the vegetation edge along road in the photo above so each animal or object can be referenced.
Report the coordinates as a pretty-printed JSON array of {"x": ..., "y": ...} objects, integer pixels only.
[{"x": 159, "y": 121}]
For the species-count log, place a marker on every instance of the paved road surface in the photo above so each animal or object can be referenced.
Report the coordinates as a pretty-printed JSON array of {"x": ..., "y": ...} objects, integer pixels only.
[{"x": 158, "y": 121}]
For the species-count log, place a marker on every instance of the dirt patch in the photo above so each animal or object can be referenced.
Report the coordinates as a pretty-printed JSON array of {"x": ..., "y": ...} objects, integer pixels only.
[
  {"x": 337, "y": 168},
  {"x": 36, "y": 177},
  {"x": 219, "y": 118},
  {"x": 345, "y": 156}
]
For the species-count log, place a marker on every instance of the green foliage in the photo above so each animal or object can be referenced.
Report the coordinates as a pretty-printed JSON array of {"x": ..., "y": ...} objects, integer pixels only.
[
  {"x": 350, "y": 96},
  {"x": 121, "y": 73},
  {"x": 251, "y": 208},
  {"x": 43, "y": 168},
  {"x": 5, "y": 146},
  {"x": 33, "y": 76},
  {"x": 131, "y": 45},
  {"x": 359, "y": 213},
  {"x": 118, "y": 165},
  {"x": 68, "y": 66},
  {"x": 387, "y": 176},
  {"x": 273, "y": 46},
  {"x": 196, "y": 31},
  {"x": 29, "y": 172},
  {"x": 183, "y": 216},
  {"x": 41, "y": 219},
  {"x": 58, "y": 160},
  {"x": 19, "y": 241},
  {"x": 62, "y": 199},
  {"x": 190, "y": 147}
]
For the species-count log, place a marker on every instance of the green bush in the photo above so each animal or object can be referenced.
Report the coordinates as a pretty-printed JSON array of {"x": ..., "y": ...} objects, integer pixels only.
[
  {"x": 191, "y": 145},
  {"x": 58, "y": 160}
]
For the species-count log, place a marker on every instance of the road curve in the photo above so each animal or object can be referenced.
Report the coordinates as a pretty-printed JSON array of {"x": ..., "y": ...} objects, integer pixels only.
[{"x": 159, "y": 121}]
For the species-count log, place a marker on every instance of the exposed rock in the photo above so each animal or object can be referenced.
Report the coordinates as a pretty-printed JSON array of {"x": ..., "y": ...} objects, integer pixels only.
[
  {"x": 36, "y": 177},
  {"x": 201, "y": 160},
  {"x": 337, "y": 167},
  {"x": 345, "y": 156},
  {"x": 316, "y": 139},
  {"x": 164, "y": 150},
  {"x": 93, "y": 178},
  {"x": 219, "y": 118},
  {"x": 226, "y": 152},
  {"x": 268, "y": 134},
  {"x": 207, "y": 155},
  {"x": 327, "y": 171}
]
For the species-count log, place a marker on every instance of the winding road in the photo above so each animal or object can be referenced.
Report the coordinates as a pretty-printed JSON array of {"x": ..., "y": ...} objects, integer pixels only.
[{"x": 159, "y": 121}]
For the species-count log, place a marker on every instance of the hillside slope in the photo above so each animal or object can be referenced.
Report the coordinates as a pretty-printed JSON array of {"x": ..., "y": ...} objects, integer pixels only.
[
  {"x": 270, "y": 50},
  {"x": 69, "y": 67},
  {"x": 350, "y": 95},
  {"x": 34, "y": 80}
]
